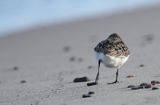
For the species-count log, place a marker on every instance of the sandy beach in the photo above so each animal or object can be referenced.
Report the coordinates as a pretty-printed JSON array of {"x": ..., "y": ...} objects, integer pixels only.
[{"x": 38, "y": 66}]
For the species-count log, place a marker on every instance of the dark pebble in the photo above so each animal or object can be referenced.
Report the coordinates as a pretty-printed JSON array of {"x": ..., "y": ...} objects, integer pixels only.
[
  {"x": 136, "y": 88},
  {"x": 145, "y": 85},
  {"x": 66, "y": 48},
  {"x": 149, "y": 37},
  {"x": 131, "y": 86},
  {"x": 17, "y": 95},
  {"x": 91, "y": 83},
  {"x": 141, "y": 65},
  {"x": 15, "y": 68},
  {"x": 155, "y": 88},
  {"x": 155, "y": 82},
  {"x": 86, "y": 95},
  {"x": 91, "y": 92},
  {"x": 81, "y": 79},
  {"x": 129, "y": 76},
  {"x": 90, "y": 67},
  {"x": 23, "y": 81},
  {"x": 80, "y": 59},
  {"x": 72, "y": 59}
]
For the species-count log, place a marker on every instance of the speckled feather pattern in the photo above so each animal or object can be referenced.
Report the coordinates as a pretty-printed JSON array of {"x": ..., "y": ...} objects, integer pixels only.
[{"x": 113, "y": 46}]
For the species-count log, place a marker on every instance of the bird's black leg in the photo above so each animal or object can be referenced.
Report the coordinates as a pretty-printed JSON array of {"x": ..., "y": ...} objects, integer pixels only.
[
  {"x": 97, "y": 77},
  {"x": 116, "y": 78}
]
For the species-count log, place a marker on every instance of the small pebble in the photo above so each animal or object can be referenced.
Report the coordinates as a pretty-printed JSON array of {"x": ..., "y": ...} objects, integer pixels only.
[
  {"x": 86, "y": 96},
  {"x": 129, "y": 76},
  {"x": 23, "y": 81},
  {"x": 66, "y": 48},
  {"x": 155, "y": 82},
  {"x": 155, "y": 88},
  {"x": 141, "y": 65},
  {"x": 145, "y": 85},
  {"x": 131, "y": 86},
  {"x": 136, "y": 88},
  {"x": 72, "y": 59},
  {"x": 15, "y": 68},
  {"x": 91, "y": 83},
  {"x": 149, "y": 37},
  {"x": 91, "y": 92},
  {"x": 90, "y": 67},
  {"x": 80, "y": 59},
  {"x": 17, "y": 95},
  {"x": 81, "y": 79}
]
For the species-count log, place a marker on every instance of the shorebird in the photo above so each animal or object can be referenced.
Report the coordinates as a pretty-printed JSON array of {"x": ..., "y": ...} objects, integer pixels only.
[{"x": 113, "y": 53}]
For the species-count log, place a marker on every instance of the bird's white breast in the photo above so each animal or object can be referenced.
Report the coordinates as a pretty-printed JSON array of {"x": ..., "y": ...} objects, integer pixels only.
[{"x": 111, "y": 61}]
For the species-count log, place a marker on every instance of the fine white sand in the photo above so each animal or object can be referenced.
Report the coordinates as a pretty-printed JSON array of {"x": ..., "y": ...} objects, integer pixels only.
[{"x": 49, "y": 68}]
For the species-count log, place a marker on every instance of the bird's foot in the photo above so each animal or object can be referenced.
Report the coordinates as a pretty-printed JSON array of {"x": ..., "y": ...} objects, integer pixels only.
[{"x": 113, "y": 82}]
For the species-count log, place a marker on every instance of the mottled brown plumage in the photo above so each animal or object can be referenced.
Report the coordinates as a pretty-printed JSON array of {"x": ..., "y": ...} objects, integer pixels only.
[{"x": 113, "y": 46}]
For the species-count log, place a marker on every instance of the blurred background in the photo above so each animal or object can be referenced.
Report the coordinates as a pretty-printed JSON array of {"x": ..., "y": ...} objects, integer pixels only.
[{"x": 17, "y": 15}]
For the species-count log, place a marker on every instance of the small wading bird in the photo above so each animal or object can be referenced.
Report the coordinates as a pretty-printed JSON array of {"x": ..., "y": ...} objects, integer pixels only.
[{"x": 113, "y": 53}]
